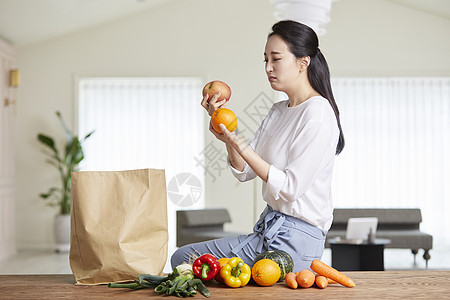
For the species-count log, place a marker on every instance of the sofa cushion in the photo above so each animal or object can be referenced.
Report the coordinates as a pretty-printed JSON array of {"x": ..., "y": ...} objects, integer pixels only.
[{"x": 387, "y": 217}]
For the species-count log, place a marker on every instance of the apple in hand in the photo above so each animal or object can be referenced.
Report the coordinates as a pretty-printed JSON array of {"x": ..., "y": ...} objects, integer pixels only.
[{"x": 215, "y": 86}]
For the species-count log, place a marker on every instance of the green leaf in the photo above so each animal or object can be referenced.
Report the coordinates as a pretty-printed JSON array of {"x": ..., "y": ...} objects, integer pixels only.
[
  {"x": 88, "y": 135},
  {"x": 73, "y": 155},
  {"x": 53, "y": 162},
  {"x": 45, "y": 196},
  {"x": 79, "y": 157},
  {"x": 47, "y": 141},
  {"x": 74, "y": 152},
  {"x": 51, "y": 192},
  {"x": 69, "y": 133}
]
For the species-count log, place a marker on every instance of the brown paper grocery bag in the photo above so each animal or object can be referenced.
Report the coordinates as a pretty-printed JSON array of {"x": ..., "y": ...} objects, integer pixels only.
[{"x": 118, "y": 225}]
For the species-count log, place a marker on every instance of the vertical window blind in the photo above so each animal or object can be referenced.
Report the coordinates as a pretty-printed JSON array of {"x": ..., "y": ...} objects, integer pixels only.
[
  {"x": 144, "y": 123},
  {"x": 397, "y": 152}
]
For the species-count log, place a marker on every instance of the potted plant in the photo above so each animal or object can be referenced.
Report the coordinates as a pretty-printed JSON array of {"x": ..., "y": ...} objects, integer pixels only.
[{"x": 65, "y": 162}]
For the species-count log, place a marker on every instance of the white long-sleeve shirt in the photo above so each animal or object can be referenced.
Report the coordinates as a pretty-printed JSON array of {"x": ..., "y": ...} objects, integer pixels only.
[{"x": 299, "y": 143}]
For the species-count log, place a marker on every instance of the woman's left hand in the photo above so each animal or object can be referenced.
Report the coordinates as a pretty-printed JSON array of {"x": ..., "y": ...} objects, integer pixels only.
[
  {"x": 228, "y": 137},
  {"x": 241, "y": 152}
]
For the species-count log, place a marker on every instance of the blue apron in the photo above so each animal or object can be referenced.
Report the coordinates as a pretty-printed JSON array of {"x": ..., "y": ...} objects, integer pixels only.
[
  {"x": 273, "y": 231},
  {"x": 277, "y": 231}
]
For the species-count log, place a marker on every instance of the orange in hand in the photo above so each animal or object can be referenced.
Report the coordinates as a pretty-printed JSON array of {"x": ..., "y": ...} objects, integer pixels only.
[{"x": 224, "y": 116}]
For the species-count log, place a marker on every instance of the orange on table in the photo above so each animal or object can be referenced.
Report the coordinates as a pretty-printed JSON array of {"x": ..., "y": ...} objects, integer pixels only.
[
  {"x": 222, "y": 262},
  {"x": 226, "y": 117},
  {"x": 266, "y": 272}
]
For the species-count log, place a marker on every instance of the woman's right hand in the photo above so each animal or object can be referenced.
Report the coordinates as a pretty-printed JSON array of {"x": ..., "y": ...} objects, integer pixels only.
[{"x": 213, "y": 104}]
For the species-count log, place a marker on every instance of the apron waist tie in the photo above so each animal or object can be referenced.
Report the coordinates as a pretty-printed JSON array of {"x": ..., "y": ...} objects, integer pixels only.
[{"x": 266, "y": 229}]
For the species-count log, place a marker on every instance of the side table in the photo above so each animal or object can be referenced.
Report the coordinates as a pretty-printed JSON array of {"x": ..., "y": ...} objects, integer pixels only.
[{"x": 357, "y": 255}]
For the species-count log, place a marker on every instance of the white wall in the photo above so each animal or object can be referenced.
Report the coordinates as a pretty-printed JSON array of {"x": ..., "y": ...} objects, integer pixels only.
[
  {"x": 211, "y": 39},
  {"x": 381, "y": 38}
]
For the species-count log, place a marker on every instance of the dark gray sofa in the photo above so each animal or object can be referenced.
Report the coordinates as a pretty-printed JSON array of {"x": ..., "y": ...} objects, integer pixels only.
[
  {"x": 201, "y": 225},
  {"x": 400, "y": 225}
]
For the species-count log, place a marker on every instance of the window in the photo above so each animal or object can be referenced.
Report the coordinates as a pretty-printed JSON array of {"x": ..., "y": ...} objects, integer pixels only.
[
  {"x": 145, "y": 123},
  {"x": 397, "y": 152}
]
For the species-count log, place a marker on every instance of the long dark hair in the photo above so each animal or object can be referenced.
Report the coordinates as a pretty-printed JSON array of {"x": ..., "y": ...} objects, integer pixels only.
[{"x": 303, "y": 41}]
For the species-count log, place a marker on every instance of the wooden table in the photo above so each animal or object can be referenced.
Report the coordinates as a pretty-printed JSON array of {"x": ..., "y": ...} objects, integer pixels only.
[{"x": 380, "y": 285}]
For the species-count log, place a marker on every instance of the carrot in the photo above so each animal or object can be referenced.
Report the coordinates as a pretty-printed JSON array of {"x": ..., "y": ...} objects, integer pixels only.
[
  {"x": 329, "y": 272},
  {"x": 321, "y": 281},
  {"x": 291, "y": 280},
  {"x": 331, "y": 281},
  {"x": 306, "y": 278}
]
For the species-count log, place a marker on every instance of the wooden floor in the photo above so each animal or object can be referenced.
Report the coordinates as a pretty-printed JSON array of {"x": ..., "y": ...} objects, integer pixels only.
[{"x": 369, "y": 285}]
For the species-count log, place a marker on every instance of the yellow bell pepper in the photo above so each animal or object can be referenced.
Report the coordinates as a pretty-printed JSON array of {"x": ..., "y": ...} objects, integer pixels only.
[
  {"x": 222, "y": 262},
  {"x": 235, "y": 272}
]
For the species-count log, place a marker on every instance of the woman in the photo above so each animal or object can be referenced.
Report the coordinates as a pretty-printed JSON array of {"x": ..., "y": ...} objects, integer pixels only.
[{"x": 292, "y": 152}]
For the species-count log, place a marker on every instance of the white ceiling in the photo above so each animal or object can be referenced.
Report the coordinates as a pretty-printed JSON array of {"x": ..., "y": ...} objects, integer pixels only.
[
  {"x": 440, "y": 8},
  {"x": 24, "y": 22}
]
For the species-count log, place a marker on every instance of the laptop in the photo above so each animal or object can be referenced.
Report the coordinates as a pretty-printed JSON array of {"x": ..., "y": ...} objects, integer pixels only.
[{"x": 358, "y": 228}]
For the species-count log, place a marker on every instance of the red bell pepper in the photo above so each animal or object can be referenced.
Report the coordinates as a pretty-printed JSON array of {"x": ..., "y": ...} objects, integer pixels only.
[{"x": 206, "y": 267}]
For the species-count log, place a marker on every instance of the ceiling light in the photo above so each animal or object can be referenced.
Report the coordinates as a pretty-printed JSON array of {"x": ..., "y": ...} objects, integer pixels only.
[{"x": 314, "y": 13}]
